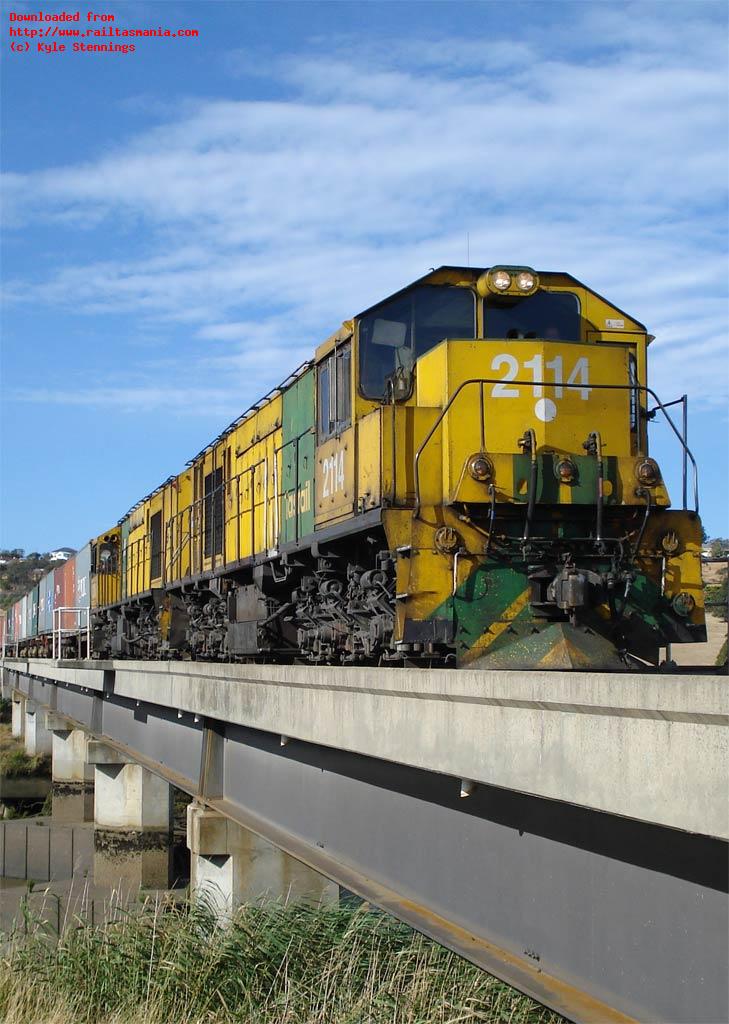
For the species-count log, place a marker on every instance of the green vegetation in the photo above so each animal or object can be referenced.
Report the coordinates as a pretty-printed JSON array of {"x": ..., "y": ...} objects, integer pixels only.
[
  {"x": 14, "y": 762},
  {"x": 716, "y": 577},
  {"x": 723, "y": 656},
  {"x": 278, "y": 964},
  {"x": 716, "y": 595},
  {"x": 19, "y": 574},
  {"x": 718, "y": 547}
]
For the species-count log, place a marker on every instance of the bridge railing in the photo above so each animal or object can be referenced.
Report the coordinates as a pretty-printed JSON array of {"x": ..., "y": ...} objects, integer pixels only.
[{"x": 80, "y": 630}]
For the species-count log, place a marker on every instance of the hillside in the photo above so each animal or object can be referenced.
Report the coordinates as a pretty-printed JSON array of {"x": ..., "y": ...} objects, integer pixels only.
[{"x": 19, "y": 574}]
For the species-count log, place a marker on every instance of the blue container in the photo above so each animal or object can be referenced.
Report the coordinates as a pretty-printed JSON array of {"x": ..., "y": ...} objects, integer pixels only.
[
  {"x": 45, "y": 604},
  {"x": 33, "y": 612}
]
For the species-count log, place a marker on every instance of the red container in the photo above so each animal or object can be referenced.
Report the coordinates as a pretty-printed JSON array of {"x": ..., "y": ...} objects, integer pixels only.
[{"x": 64, "y": 585}]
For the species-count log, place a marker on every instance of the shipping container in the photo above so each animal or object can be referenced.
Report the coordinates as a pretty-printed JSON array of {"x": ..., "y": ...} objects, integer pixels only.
[
  {"x": 3, "y": 631},
  {"x": 83, "y": 579},
  {"x": 45, "y": 604},
  {"x": 33, "y": 612},
  {"x": 23, "y": 631},
  {"x": 65, "y": 591}
]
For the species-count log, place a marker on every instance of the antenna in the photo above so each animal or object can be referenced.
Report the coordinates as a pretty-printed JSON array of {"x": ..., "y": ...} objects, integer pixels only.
[{"x": 468, "y": 250}]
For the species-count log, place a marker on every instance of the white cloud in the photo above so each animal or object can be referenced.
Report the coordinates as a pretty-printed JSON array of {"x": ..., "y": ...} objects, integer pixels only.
[
  {"x": 267, "y": 222},
  {"x": 143, "y": 398}
]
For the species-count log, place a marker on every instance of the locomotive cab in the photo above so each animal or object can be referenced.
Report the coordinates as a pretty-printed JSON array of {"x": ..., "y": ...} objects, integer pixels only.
[{"x": 531, "y": 476}]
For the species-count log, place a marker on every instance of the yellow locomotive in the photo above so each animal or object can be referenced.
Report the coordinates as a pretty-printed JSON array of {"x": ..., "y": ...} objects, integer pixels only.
[{"x": 460, "y": 476}]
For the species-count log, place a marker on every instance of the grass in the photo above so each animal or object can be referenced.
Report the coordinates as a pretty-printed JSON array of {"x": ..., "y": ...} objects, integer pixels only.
[
  {"x": 276, "y": 964},
  {"x": 14, "y": 762},
  {"x": 721, "y": 658}
]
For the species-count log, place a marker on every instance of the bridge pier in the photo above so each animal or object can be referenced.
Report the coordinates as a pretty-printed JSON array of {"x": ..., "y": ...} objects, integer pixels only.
[
  {"x": 18, "y": 715},
  {"x": 72, "y": 776},
  {"x": 132, "y": 821},
  {"x": 229, "y": 865},
  {"x": 38, "y": 739}
]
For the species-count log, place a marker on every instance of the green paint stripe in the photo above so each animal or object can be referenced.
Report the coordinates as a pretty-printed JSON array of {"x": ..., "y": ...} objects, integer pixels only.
[{"x": 298, "y": 416}]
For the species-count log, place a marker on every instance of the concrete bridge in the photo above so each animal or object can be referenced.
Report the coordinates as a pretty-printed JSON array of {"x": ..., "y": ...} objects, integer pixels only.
[{"x": 566, "y": 831}]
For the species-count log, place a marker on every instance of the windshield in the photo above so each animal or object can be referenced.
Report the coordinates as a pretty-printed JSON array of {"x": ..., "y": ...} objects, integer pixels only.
[
  {"x": 542, "y": 315},
  {"x": 394, "y": 335}
]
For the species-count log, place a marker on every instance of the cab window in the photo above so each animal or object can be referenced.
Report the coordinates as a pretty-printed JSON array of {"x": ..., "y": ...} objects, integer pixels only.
[
  {"x": 549, "y": 315},
  {"x": 396, "y": 333},
  {"x": 335, "y": 392},
  {"x": 105, "y": 557}
]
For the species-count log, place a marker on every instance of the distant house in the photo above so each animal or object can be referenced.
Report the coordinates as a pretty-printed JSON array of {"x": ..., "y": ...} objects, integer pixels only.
[{"x": 61, "y": 554}]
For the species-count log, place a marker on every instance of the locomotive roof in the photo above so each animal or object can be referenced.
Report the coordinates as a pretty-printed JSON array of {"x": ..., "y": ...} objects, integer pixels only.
[{"x": 475, "y": 272}]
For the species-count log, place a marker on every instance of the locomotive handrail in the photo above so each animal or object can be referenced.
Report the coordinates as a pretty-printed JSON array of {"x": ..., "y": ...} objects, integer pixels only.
[
  {"x": 176, "y": 554},
  {"x": 548, "y": 384},
  {"x": 272, "y": 500}
]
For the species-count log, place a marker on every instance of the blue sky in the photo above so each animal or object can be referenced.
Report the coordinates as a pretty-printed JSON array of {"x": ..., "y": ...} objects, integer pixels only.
[{"x": 182, "y": 225}]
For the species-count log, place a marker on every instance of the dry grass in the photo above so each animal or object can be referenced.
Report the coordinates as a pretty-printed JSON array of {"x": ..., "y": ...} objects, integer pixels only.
[
  {"x": 279, "y": 964},
  {"x": 14, "y": 762}
]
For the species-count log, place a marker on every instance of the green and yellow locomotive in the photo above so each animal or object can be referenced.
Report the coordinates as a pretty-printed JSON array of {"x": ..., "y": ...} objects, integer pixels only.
[{"x": 460, "y": 476}]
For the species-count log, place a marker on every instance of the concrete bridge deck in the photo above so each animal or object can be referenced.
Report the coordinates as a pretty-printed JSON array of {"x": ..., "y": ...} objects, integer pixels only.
[
  {"x": 568, "y": 831},
  {"x": 650, "y": 747}
]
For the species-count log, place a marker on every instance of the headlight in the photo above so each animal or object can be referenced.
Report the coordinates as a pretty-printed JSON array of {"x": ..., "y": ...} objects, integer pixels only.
[
  {"x": 566, "y": 471},
  {"x": 481, "y": 468},
  {"x": 683, "y": 604},
  {"x": 648, "y": 473},
  {"x": 669, "y": 542},
  {"x": 514, "y": 281}
]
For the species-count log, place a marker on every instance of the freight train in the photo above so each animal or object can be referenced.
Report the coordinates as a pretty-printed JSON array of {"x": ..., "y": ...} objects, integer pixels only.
[{"x": 460, "y": 476}]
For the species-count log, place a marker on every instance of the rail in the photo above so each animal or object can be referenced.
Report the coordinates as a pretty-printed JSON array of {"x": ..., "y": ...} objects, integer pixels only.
[{"x": 481, "y": 381}]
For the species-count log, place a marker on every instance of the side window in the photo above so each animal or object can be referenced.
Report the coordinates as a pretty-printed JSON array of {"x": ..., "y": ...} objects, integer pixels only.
[
  {"x": 335, "y": 392},
  {"x": 213, "y": 506},
  {"x": 325, "y": 417},
  {"x": 155, "y": 530}
]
